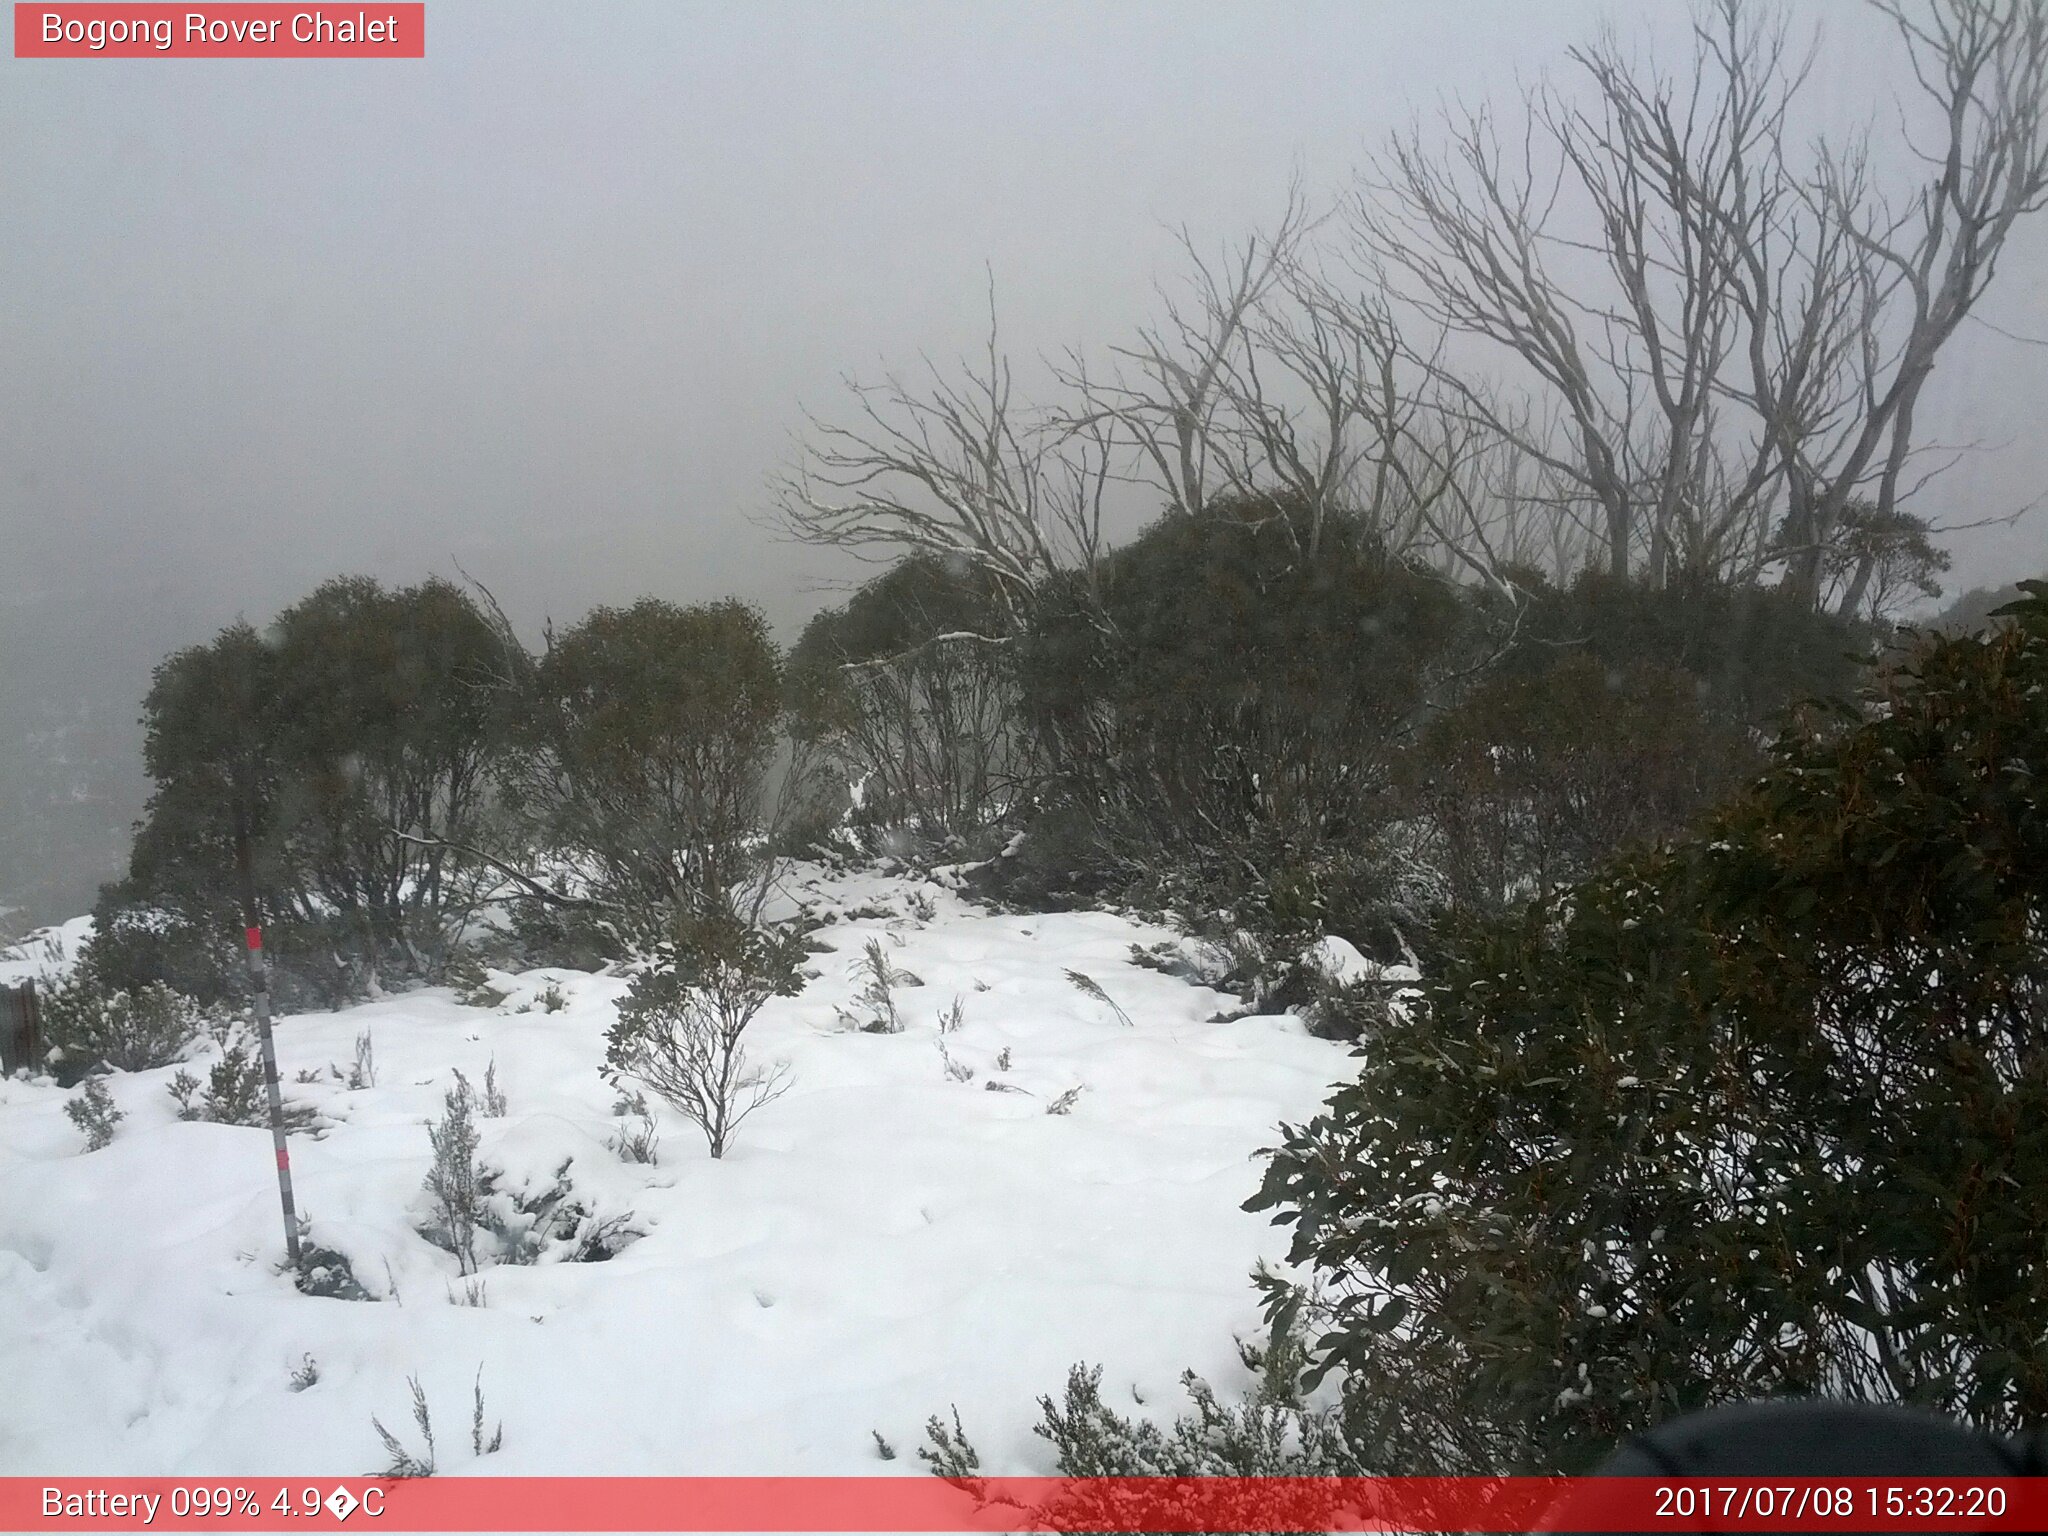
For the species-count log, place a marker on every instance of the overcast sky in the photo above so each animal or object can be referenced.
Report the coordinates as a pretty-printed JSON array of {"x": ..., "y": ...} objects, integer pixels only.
[{"x": 548, "y": 301}]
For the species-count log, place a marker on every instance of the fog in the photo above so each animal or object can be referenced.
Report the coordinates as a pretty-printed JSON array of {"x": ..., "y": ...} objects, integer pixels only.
[{"x": 548, "y": 304}]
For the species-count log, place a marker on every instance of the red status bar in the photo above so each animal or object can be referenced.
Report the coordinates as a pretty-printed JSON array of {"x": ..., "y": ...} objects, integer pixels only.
[{"x": 923, "y": 1503}]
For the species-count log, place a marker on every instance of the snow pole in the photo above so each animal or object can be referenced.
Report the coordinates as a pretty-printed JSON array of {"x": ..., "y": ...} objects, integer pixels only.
[{"x": 259, "y": 986}]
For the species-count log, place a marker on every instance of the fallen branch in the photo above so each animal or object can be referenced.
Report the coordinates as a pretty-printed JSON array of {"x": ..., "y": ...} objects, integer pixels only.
[{"x": 526, "y": 882}]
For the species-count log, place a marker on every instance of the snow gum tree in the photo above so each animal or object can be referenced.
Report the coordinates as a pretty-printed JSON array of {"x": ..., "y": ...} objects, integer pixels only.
[
  {"x": 649, "y": 741},
  {"x": 912, "y": 686},
  {"x": 353, "y": 744}
]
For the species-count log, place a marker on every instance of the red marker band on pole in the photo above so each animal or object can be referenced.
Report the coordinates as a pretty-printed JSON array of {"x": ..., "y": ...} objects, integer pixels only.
[{"x": 259, "y": 996}]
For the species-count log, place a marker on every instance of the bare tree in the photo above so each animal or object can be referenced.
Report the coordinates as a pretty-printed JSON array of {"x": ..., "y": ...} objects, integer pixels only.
[
  {"x": 1167, "y": 399},
  {"x": 1261, "y": 378},
  {"x": 1927, "y": 258},
  {"x": 956, "y": 468},
  {"x": 1712, "y": 351}
]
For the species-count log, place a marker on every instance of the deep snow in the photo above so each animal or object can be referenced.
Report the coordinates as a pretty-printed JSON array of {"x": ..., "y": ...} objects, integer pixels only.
[{"x": 883, "y": 1241}]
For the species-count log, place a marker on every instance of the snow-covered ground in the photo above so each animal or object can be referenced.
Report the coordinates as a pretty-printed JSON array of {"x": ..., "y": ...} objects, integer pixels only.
[
  {"x": 882, "y": 1241},
  {"x": 44, "y": 953}
]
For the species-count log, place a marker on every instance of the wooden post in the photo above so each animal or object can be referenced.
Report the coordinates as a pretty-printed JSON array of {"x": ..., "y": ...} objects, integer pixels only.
[
  {"x": 259, "y": 986},
  {"x": 31, "y": 1036},
  {"x": 18, "y": 1027}
]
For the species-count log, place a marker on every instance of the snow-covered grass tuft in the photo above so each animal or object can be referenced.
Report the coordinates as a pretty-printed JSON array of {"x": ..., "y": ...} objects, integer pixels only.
[
  {"x": 637, "y": 1140},
  {"x": 362, "y": 1071}
]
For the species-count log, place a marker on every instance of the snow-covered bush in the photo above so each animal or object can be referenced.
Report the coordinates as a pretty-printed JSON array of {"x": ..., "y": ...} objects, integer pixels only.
[
  {"x": 455, "y": 1182},
  {"x": 234, "y": 1088},
  {"x": 325, "y": 1272},
  {"x": 550, "y": 1223},
  {"x": 681, "y": 1024},
  {"x": 1353, "y": 998},
  {"x": 477, "y": 1219},
  {"x": 93, "y": 1113},
  {"x": 89, "y": 1025},
  {"x": 1271, "y": 1433}
]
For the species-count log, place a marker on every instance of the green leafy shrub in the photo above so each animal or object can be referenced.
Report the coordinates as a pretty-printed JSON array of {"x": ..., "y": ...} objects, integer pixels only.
[
  {"x": 1221, "y": 710},
  {"x": 352, "y": 744},
  {"x": 1752, "y": 650},
  {"x": 386, "y": 732},
  {"x": 1764, "y": 1111},
  {"x": 652, "y": 731},
  {"x": 135, "y": 945},
  {"x": 1534, "y": 777}
]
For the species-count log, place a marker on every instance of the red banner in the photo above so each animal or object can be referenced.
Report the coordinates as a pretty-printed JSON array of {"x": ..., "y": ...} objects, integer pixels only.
[
  {"x": 359, "y": 31},
  {"x": 923, "y": 1503}
]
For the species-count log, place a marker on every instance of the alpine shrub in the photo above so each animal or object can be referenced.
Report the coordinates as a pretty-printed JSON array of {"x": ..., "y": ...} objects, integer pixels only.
[
  {"x": 93, "y": 1112},
  {"x": 681, "y": 1024},
  {"x": 90, "y": 1026},
  {"x": 1764, "y": 1111},
  {"x": 1271, "y": 1433}
]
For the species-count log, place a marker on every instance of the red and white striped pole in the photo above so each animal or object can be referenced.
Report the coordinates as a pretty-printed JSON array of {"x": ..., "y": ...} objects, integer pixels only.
[{"x": 259, "y": 986}]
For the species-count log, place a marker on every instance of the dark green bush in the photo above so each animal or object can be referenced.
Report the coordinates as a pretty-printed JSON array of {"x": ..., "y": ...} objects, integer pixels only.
[
  {"x": 352, "y": 745},
  {"x": 911, "y": 686},
  {"x": 1222, "y": 712},
  {"x": 387, "y": 722},
  {"x": 1534, "y": 777},
  {"x": 1753, "y": 650},
  {"x": 651, "y": 738},
  {"x": 1763, "y": 1111},
  {"x": 136, "y": 945}
]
